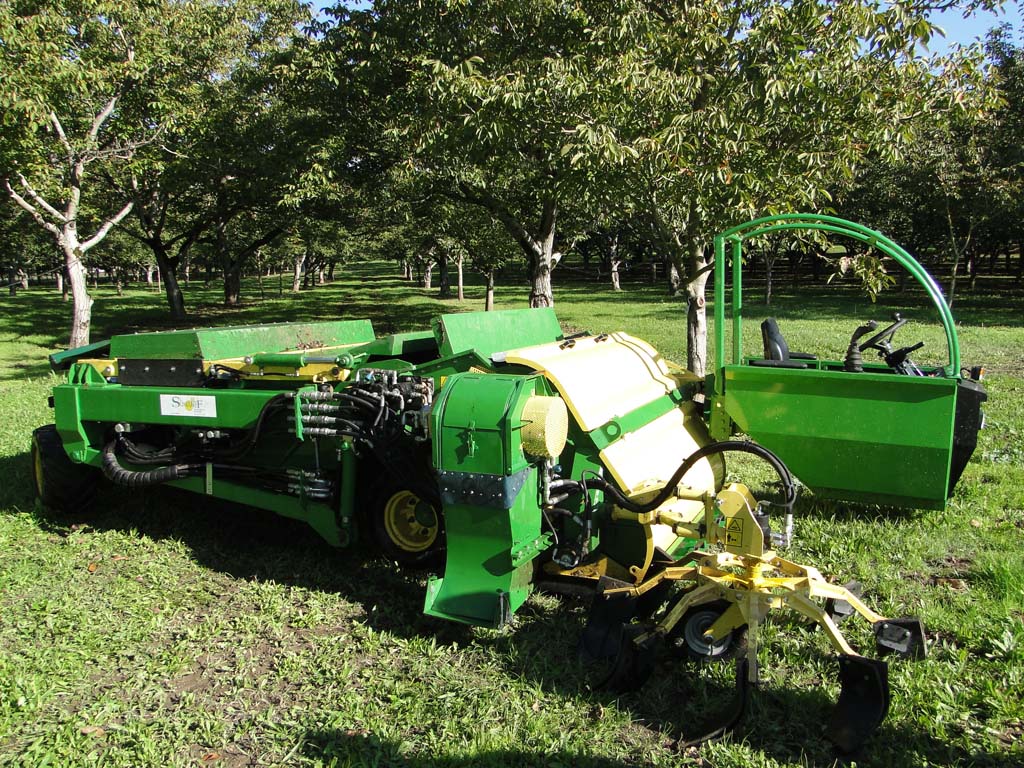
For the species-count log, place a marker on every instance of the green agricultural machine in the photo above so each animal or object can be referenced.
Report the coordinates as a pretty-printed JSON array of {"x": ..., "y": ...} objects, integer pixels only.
[{"x": 504, "y": 455}]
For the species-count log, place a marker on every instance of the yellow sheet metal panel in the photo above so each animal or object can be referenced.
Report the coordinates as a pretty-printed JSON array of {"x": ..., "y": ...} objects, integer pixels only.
[
  {"x": 648, "y": 456},
  {"x": 600, "y": 377}
]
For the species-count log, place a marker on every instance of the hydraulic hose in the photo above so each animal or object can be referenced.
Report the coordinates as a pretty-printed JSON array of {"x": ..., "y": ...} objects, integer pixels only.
[
  {"x": 725, "y": 446},
  {"x": 116, "y": 473}
]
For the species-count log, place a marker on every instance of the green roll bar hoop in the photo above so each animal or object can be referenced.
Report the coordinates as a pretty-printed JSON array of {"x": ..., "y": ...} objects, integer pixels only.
[{"x": 810, "y": 221}]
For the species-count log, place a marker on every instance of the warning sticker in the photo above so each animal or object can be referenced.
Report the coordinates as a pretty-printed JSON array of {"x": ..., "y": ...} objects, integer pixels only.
[
  {"x": 734, "y": 533},
  {"x": 197, "y": 406}
]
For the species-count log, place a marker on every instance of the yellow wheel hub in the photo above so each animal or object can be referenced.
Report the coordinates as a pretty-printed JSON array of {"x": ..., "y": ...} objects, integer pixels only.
[
  {"x": 37, "y": 469},
  {"x": 410, "y": 522}
]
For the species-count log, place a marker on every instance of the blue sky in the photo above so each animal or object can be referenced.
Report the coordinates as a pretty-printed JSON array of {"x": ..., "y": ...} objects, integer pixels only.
[
  {"x": 961, "y": 30},
  {"x": 957, "y": 28}
]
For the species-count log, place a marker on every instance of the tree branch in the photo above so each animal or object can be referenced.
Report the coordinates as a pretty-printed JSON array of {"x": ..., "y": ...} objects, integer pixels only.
[
  {"x": 39, "y": 200},
  {"x": 30, "y": 209},
  {"x": 500, "y": 212},
  {"x": 102, "y": 117},
  {"x": 102, "y": 231},
  {"x": 62, "y": 136}
]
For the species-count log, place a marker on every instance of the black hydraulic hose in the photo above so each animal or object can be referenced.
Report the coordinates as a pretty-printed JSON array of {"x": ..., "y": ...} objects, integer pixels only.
[
  {"x": 249, "y": 441},
  {"x": 711, "y": 449},
  {"x": 116, "y": 473}
]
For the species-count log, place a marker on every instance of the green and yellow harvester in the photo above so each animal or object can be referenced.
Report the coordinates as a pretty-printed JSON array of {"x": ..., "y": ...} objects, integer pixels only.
[{"x": 505, "y": 455}]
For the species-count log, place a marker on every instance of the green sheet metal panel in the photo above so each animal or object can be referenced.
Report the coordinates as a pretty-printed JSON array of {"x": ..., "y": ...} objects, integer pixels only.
[
  {"x": 490, "y": 495},
  {"x": 401, "y": 345},
  {"x": 879, "y": 438},
  {"x": 238, "y": 341},
  {"x": 490, "y": 332},
  {"x": 482, "y": 583},
  {"x": 473, "y": 431}
]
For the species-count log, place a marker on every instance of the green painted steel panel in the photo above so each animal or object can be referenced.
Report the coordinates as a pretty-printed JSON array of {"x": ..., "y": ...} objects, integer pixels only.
[
  {"x": 400, "y": 344},
  {"x": 476, "y": 421},
  {"x": 490, "y": 332},
  {"x": 874, "y": 437},
  {"x": 481, "y": 584},
  {"x": 235, "y": 408},
  {"x": 616, "y": 428},
  {"x": 238, "y": 341},
  {"x": 61, "y": 360},
  {"x": 473, "y": 429}
]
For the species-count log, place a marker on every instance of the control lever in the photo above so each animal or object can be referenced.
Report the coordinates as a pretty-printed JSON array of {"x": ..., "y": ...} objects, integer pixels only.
[{"x": 854, "y": 362}]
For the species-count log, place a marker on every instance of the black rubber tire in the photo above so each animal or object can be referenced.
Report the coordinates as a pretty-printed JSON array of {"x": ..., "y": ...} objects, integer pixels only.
[
  {"x": 61, "y": 484},
  {"x": 685, "y": 640},
  {"x": 406, "y": 554}
]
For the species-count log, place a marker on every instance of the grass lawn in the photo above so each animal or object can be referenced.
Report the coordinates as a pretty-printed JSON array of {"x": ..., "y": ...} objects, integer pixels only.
[{"x": 164, "y": 629}]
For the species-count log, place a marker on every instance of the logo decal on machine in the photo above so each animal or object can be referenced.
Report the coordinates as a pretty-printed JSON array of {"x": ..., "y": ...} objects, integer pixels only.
[{"x": 197, "y": 406}]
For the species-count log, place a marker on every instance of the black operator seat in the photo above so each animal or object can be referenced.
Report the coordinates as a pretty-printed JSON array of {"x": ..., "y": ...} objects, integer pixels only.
[{"x": 776, "y": 350}]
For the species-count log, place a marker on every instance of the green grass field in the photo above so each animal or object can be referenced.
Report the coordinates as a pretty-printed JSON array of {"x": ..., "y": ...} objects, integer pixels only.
[{"x": 164, "y": 629}]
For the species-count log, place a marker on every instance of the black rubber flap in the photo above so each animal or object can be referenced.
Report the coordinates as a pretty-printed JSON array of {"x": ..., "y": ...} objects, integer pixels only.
[
  {"x": 863, "y": 701},
  {"x": 733, "y": 714},
  {"x": 904, "y": 636},
  {"x": 602, "y": 637}
]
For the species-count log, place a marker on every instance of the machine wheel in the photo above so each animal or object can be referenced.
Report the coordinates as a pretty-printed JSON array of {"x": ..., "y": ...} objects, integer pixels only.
[
  {"x": 61, "y": 484},
  {"x": 686, "y": 640},
  {"x": 408, "y": 529}
]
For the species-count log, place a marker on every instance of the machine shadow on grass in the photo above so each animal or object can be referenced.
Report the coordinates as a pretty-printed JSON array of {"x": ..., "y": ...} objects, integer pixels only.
[
  {"x": 246, "y": 543},
  {"x": 678, "y": 702},
  {"x": 356, "y": 749}
]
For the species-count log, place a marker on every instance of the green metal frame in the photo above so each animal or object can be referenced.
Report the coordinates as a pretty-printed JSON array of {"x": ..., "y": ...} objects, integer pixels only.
[
  {"x": 872, "y": 436},
  {"x": 809, "y": 221}
]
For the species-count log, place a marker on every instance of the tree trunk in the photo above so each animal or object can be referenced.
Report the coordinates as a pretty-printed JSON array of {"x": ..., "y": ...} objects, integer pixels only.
[
  {"x": 428, "y": 273},
  {"x": 769, "y": 262},
  {"x": 444, "y": 282},
  {"x": 60, "y": 283},
  {"x": 614, "y": 261},
  {"x": 458, "y": 265},
  {"x": 696, "y": 312},
  {"x": 489, "y": 293},
  {"x": 300, "y": 259},
  {"x": 673, "y": 278},
  {"x": 541, "y": 294},
  {"x": 168, "y": 268},
  {"x": 175, "y": 298},
  {"x": 406, "y": 270},
  {"x": 81, "y": 301},
  {"x": 233, "y": 285},
  {"x": 330, "y": 272},
  {"x": 12, "y": 287},
  {"x": 654, "y": 271}
]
